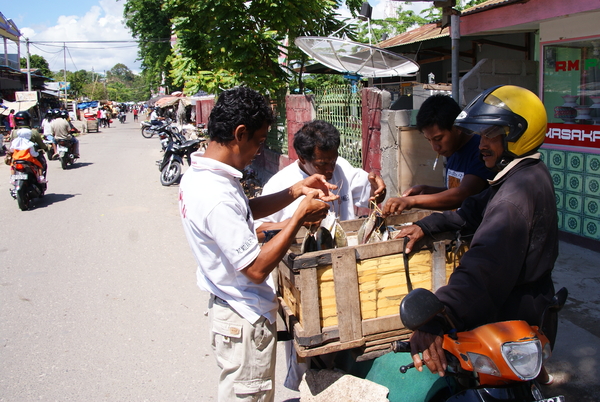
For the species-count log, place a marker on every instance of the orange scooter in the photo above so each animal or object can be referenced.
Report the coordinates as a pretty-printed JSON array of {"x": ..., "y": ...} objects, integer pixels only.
[{"x": 494, "y": 362}]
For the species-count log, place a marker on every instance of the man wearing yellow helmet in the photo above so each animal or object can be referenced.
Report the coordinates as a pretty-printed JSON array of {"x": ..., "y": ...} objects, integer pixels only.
[{"x": 506, "y": 273}]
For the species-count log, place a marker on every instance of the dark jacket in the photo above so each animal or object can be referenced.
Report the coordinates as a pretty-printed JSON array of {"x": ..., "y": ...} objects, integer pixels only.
[{"x": 506, "y": 273}]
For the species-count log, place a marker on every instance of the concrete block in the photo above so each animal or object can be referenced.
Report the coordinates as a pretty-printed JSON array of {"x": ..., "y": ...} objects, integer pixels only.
[
  {"x": 531, "y": 67},
  {"x": 470, "y": 95},
  {"x": 401, "y": 118},
  {"x": 471, "y": 82},
  {"x": 487, "y": 81},
  {"x": 329, "y": 385},
  {"x": 529, "y": 82},
  {"x": 386, "y": 99},
  {"x": 508, "y": 67},
  {"x": 485, "y": 66}
]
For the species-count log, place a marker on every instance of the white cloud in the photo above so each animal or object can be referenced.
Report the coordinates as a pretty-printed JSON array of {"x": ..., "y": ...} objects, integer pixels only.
[{"x": 103, "y": 22}]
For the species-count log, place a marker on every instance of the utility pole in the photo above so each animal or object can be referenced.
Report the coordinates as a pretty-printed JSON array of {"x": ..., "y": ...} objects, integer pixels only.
[
  {"x": 28, "y": 65},
  {"x": 65, "y": 74}
]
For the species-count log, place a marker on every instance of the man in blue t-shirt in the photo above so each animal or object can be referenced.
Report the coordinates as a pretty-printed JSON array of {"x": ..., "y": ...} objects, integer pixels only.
[{"x": 466, "y": 174}]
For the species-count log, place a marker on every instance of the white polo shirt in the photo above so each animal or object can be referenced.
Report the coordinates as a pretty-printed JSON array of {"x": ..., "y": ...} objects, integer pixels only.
[
  {"x": 219, "y": 227},
  {"x": 353, "y": 184}
]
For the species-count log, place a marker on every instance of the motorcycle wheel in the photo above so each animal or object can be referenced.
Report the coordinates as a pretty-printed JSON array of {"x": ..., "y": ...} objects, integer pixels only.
[
  {"x": 63, "y": 162},
  {"x": 170, "y": 175},
  {"x": 147, "y": 133},
  {"x": 22, "y": 198}
]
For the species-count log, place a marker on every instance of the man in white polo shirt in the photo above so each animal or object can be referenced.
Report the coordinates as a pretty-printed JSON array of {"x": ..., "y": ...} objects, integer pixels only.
[{"x": 218, "y": 221}]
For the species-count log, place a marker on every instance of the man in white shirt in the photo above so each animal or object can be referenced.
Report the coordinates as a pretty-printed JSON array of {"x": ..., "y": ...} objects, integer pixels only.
[
  {"x": 316, "y": 144},
  {"x": 218, "y": 220}
]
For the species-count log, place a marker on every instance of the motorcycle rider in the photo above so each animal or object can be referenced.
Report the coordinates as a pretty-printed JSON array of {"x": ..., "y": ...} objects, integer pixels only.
[
  {"x": 47, "y": 129},
  {"x": 507, "y": 272},
  {"x": 155, "y": 119},
  {"x": 24, "y": 142},
  {"x": 62, "y": 131}
]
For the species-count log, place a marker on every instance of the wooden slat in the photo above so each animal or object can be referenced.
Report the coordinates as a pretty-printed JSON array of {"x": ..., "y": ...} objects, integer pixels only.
[
  {"x": 347, "y": 298},
  {"x": 309, "y": 297},
  {"x": 381, "y": 324}
]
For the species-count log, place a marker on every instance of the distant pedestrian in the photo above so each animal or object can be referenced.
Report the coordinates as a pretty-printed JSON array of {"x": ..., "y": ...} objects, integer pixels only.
[
  {"x": 135, "y": 114},
  {"x": 11, "y": 119}
]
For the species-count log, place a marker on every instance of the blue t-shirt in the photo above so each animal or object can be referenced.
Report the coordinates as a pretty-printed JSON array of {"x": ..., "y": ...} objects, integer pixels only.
[{"x": 466, "y": 161}]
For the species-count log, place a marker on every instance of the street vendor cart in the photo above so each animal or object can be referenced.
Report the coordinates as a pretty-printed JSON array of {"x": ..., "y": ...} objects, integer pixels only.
[
  {"x": 345, "y": 301},
  {"x": 91, "y": 122}
]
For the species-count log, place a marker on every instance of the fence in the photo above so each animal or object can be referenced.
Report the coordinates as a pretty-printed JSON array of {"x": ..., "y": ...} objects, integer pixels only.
[{"x": 342, "y": 107}]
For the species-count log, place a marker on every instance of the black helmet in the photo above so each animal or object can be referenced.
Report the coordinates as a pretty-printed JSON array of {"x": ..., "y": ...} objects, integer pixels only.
[
  {"x": 515, "y": 112},
  {"x": 64, "y": 114},
  {"x": 49, "y": 114},
  {"x": 23, "y": 119}
]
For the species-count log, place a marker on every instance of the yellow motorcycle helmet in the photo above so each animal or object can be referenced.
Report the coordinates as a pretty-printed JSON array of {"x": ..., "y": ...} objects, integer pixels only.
[{"x": 513, "y": 111}]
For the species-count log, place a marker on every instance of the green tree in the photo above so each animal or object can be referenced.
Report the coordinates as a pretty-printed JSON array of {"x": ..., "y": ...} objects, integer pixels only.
[
  {"x": 221, "y": 43},
  {"x": 38, "y": 62},
  {"x": 120, "y": 72},
  {"x": 150, "y": 22}
]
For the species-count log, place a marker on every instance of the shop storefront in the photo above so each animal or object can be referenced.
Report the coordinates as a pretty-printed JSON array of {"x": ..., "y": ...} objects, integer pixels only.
[{"x": 570, "y": 89}]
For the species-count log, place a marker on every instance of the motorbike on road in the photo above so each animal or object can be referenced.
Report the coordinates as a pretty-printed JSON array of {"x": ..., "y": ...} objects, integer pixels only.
[
  {"x": 25, "y": 184},
  {"x": 122, "y": 117},
  {"x": 149, "y": 129},
  {"x": 171, "y": 165},
  {"x": 66, "y": 154},
  {"x": 494, "y": 362}
]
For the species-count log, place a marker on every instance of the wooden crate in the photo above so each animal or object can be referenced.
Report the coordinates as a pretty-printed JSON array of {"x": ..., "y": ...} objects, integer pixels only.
[{"x": 349, "y": 297}]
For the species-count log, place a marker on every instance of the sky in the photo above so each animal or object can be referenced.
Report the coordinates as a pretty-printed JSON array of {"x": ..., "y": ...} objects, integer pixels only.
[
  {"x": 87, "y": 20},
  {"x": 74, "y": 20}
]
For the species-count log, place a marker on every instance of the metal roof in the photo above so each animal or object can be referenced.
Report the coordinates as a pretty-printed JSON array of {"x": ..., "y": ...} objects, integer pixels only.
[
  {"x": 486, "y": 5},
  {"x": 433, "y": 31},
  {"x": 422, "y": 33}
]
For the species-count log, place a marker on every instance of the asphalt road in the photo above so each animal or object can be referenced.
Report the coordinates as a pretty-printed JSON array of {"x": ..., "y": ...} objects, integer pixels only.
[{"x": 98, "y": 300}]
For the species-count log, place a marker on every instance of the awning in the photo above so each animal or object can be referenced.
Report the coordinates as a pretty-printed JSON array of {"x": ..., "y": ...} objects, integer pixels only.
[
  {"x": 172, "y": 100},
  {"x": 17, "y": 106}
]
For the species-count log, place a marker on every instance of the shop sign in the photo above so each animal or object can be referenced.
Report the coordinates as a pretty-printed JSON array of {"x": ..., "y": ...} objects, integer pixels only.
[
  {"x": 573, "y": 65},
  {"x": 575, "y": 135}
]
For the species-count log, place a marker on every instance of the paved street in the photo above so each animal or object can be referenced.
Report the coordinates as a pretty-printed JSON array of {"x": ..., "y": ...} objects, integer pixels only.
[{"x": 98, "y": 300}]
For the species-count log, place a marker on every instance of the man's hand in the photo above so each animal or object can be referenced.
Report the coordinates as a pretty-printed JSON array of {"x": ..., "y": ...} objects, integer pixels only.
[
  {"x": 377, "y": 188},
  {"x": 396, "y": 205},
  {"x": 312, "y": 183},
  {"x": 433, "y": 353},
  {"x": 312, "y": 209},
  {"x": 414, "y": 190},
  {"x": 414, "y": 234}
]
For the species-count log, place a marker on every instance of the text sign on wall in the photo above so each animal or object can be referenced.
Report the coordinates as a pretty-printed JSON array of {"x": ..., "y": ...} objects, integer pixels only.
[
  {"x": 26, "y": 96},
  {"x": 575, "y": 135}
]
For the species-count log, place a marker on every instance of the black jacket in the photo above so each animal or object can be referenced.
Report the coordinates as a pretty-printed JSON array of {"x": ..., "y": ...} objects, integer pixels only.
[{"x": 506, "y": 273}]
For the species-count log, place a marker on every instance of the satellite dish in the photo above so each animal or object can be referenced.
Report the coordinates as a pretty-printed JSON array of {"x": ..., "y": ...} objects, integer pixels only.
[{"x": 352, "y": 57}]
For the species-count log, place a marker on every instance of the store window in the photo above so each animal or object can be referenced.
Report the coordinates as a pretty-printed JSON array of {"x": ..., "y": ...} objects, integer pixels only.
[{"x": 571, "y": 92}]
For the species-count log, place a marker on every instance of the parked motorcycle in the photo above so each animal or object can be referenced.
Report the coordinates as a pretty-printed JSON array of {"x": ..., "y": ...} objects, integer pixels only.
[
  {"x": 149, "y": 129},
  {"x": 172, "y": 163},
  {"x": 66, "y": 154},
  {"x": 24, "y": 179},
  {"x": 169, "y": 133},
  {"x": 494, "y": 362}
]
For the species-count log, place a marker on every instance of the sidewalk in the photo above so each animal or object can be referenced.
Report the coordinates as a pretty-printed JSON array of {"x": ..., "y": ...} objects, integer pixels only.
[{"x": 575, "y": 362}]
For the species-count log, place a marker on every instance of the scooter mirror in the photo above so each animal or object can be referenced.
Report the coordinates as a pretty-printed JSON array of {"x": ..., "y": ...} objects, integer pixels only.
[{"x": 419, "y": 307}]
